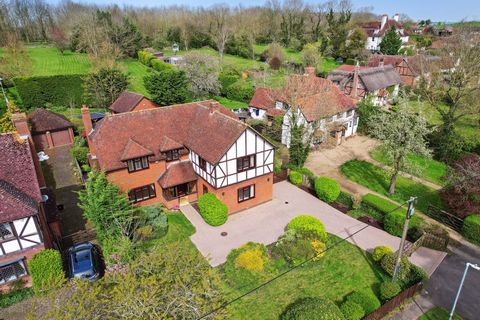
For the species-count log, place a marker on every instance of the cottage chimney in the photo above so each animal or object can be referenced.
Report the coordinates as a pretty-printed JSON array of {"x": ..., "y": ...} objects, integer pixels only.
[
  {"x": 355, "y": 81},
  {"x": 381, "y": 63},
  {"x": 87, "y": 120},
  {"x": 214, "y": 106},
  {"x": 384, "y": 21},
  {"x": 310, "y": 71},
  {"x": 396, "y": 17},
  {"x": 21, "y": 125}
]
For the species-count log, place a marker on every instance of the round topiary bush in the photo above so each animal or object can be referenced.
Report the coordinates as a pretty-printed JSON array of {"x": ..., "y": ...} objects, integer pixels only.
[
  {"x": 394, "y": 222},
  {"x": 352, "y": 310},
  {"x": 471, "y": 228},
  {"x": 389, "y": 290},
  {"x": 309, "y": 226},
  {"x": 312, "y": 308},
  {"x": 379, "y": 252},
  {"x": 388, "y": 265},
  {"x": 366, "y": 299},
  {"x": 327, "y": 189},
  {"x": 213, "y": 211},
  {"x": 46, "y": 270},
  {"x": 295, "y": 178}
]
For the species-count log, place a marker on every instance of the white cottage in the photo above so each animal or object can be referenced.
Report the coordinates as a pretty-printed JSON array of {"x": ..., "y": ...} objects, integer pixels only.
[{"x": 376, "y": 30}]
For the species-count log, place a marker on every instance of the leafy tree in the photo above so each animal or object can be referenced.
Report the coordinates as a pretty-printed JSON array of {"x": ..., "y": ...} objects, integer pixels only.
[
  {"x": 356, "y": 43},
  {"x": 202, "y": 72},
  {"x": 6, "y": 124},
  {"x": 337, "y": 29},
  {"x": 402, "y": 133},
  {"x": 104, "y": 86},
  {"x": 292, "y": 23},
  {"x": 167, "y": 87},
  {"x": 273, "y": 50},
  {"x": 310, "y": 55},
  {"x": 391, "y": 42},
  {"x": 240, "y": 45},
  {"x": 14, "y": 61},
  {"x": 299, "y": 146},
  {"x": 366, "y": 109},
  {"x": 127, "y": 37}
]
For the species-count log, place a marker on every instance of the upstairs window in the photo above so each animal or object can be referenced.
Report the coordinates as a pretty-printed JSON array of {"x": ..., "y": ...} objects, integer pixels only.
[
  {"x": 246, "y": 163},
  {"x": 202, "y": 163},
  {"x": 137, "y": 164},
  {"x": 172, "y": 155},
  {"x": 5, "y": 231}
]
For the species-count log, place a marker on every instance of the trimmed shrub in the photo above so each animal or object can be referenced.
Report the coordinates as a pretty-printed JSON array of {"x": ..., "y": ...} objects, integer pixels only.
[
  {"x": 319, "y": 247},
  {"x": 352, "y": 310},
  {"x": 380, "y": 204},
  {"x": 394, "y": 222},
  {"x": 245, "y": 266},
  {"x": 46, "y": 270},
  {"x": 327, "y": 189},
  {"x": 309, "y": 226},
  {"x": 146, "y": 58},
  {"x": 160, "y": 65},
  {"x": 471, "y": 228},
  {"x": 388, "y": 265},
  {"x": 155, "y": 217},
  {"x": 379, "y": 252},
  {"x": 416, "y": 275},
  {"x": 312, "y": 308},
  {"x": 295, "y": 178},
  {"x": 59, "y": 90},
  {"x": 251, "y": 259},
  {"x": 213, "y": 211},
  {"x": 389, "y": 290},
  {"x": 293, "y": 247},
  {"x": 366, "y": 299},
  {"x": 346, "y": 199}
]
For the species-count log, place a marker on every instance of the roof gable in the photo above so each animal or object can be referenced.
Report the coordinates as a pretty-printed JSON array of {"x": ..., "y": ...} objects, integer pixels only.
[
  {"x": 43, "y": 120},
  {"x": 126, "y": 102},
  {"x": 167, "y": 143},
  {"x": 133, "y": 150}
]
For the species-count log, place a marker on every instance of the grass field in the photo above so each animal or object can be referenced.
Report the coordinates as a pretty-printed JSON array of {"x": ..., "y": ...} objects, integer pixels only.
[
  {"x": 378, "y": 180},
  {"x": 428, "y": 169},
  {"x": 231, "y": 104},
  {"x": 438, "y": 313}
]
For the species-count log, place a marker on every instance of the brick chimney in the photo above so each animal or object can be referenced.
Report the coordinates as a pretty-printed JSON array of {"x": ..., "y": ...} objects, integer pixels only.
[
  {"x": 214, "y": 106},
  {"x": 355, "y": 81},
  {"x": 310, "y": 71},
  {"x": 384, "y": 21},
  {"x": 21, "y": 124},
  {"x": 87, "y": 120}
]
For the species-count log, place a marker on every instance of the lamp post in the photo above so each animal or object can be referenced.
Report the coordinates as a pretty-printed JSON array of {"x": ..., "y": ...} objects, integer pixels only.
[
  {"x": 467, "y": 265},
  {"x": 3, "y": 91},
  {"x": 409, "y": 215}
]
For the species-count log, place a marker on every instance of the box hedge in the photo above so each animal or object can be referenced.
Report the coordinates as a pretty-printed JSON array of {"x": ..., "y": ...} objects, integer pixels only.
[
  {"x": 389, "y": 290},
  {"x": 58, "y": 90},
  {"x": 312, "y": 308},
  {"x": 352, "y": 310},
  {"x": 388, "y": 265},
  {"x": 146, "y": 58},
  {"x": 380, "y": 204},
  {"x": 394, "y": 222},
  {"x": 471, "y": 228},
  {"x": 213, "y": 211},
  {"x": 46, "y": 270},
  {"x": 327, "y": 189},
  {"x": 295, "y": 178},
  {"x": 366, "y": 299},
  {"x": 308, "y": 225}
]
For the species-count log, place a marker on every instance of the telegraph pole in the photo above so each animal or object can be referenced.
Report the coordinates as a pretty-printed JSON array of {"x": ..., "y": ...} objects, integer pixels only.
[
  {"x": 467, "y": 265},
  {"x": 409, "y": 215}
]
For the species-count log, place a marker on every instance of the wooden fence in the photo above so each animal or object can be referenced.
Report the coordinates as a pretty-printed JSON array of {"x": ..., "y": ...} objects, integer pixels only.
[
  {"x": 394, "y": 303},
  {"x": 444, "y": 217}
]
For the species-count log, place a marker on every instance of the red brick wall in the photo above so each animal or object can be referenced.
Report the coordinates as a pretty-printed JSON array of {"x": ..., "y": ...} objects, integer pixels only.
[{"x": 144, "y": 104}]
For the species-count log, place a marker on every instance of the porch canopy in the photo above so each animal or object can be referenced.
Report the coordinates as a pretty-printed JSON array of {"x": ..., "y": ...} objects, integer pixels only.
[{"x": 176, "y": 174}]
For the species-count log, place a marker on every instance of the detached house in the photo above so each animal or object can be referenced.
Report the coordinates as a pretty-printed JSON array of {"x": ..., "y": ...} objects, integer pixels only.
[
  {"x": 23, "y": 225},
  {"x": 379, "y": 83},
  {"x": 172, "y": 155},
  {"x": 130, "y": 101},
  {"x": 376, "y": 30}
]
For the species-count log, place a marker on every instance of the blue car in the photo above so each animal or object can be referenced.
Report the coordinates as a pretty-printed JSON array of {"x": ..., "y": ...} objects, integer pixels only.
[{"x": 84, "y": 261}]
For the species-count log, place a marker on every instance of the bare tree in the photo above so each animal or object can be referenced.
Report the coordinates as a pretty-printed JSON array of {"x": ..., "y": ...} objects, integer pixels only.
[{"x": 219, "y": 26}]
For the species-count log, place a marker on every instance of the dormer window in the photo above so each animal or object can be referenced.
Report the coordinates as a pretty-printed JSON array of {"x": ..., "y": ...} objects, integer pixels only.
[
  {"x": 171, "y": 155},
  {"x": 137, "y": 164}
]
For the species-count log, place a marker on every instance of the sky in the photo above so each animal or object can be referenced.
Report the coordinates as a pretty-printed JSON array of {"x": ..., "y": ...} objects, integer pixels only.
[{"x": 435, "y": 10}]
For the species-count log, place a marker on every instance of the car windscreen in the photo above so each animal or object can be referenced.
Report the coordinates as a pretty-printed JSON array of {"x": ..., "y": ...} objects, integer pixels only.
[{"x": 81, "y": 261}]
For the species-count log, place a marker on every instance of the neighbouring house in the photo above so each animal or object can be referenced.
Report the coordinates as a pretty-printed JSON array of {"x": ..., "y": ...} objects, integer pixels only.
[
  {"x": 408, "y": 67},
  {"x": 50, "y": 129},
  {"x": 24, "y": 229},
  {"x": 174, "y": 154},
  {"x": 376, "y": 30},
  {"x": 262, "y": 105},
  {"x": 130, "y": 101},
  {"x": 378, "y": 83}
]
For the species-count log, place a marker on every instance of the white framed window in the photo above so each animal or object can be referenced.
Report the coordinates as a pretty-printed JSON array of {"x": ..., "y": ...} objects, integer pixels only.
[{"x": 12, "y": 271}]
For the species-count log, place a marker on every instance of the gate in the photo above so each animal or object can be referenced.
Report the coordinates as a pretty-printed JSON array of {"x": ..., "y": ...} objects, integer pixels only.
[{"x": 444, "y": 217}]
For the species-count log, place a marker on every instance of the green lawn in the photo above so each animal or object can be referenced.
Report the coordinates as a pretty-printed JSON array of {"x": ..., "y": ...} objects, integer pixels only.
[
  {"x": 231, "y": 104},
  {"x": 438, "y": 313},
  {"x": 343, "y": 269},
  {"x": 378, "y": 180},
  {"x": 423, "y": 167}
]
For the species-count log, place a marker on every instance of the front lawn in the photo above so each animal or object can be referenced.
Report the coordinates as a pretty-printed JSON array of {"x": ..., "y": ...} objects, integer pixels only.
[
  {"x": 438, "y": 313},
  {"x": 378, "y": 180},
  {"x": 423, "y": 167},
  {"x": 343, "y": 269}
]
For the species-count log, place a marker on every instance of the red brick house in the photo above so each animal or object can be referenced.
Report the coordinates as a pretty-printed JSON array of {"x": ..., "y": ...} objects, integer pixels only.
[
  {"x": 130, "y": 101},
  {"x": 23, "y": 225},
  {"x": 50, "y": 129},
  {"x": 172, "y": 155}
]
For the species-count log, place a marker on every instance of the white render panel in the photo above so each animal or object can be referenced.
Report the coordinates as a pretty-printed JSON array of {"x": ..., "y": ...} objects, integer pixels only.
[
  {"x": 242, "y": 176},
  {"x": 260, "y": 171},
  {"x": 11, "y": 246},
  {"x": 269, "y": 157},
  {"x": 260, "y": 143},
  {"x": 232, "y": 179},
  {"x": 241, "y": 146},
  {"x": 250, "y": 142},
  {"x": 230, "y": 153},
  {"x": 232, "y": 166},
  {"x": 221, "y": 169},
  {"x": 251, "y": 174}
]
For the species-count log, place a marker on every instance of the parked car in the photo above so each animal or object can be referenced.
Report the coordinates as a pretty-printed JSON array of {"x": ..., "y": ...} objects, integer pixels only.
[{"x": 84, "y": 261}]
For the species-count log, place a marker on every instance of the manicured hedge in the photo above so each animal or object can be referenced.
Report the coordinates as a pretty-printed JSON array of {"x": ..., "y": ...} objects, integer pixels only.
[
  {"x": 388, "y": 265},
  {"x": 352, "y": 310},
  {"x": 46, "y": 270},
  {"x": 366, "y": 299},
  {"x": 380, "y": 204},
  {"x": 213, "y": 211},
  {"x": 59, "y": 90},
  {"x": 295, "y": 178},
  {"x": 379, "y": 252},
  {"x": 471, "y": 228},
  {"x": 394, "y": 222},
  {"x": 308, "y": 225},
  {"x": 327, "y": 189},
  {"x": 389, "y": 290},
  {"x": 312, "y": 308},
  {"x": 160, "y": 65},
  {"x": 146, "y": 58}
]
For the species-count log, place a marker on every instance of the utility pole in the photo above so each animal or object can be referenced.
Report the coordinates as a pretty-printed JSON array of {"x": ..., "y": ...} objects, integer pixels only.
[
  {"x": 409, "y": 215},
  {"x": 467, "y": 265}
]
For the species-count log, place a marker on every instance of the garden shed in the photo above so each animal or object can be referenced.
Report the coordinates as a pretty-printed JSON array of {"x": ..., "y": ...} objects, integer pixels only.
[{"x": 50, "y": 129}]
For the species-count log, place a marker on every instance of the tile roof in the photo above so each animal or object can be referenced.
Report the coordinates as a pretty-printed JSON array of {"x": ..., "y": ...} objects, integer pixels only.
[
  {"x": 349, "y": 68},
  {"x": 375, "y": 59},
  {"x": 373, "y": 28},
  {"x": 372, "y": 78},
  {"x": 263, "y": 98},
  {"x": 177, "y": 173},
  {"x": 43, "y": 120},
  {"x": 167, "y": 143},
  {"x": 134, "y": 149},
  {"x": 126, "y": 102},
  {"x": 19, "y": 189},
  {"x": 200, "y": 126}
]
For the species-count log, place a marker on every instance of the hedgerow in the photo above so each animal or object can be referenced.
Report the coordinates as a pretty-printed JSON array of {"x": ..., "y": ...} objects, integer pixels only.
[
  {"x": 471, "y": 228},
  {"x": 366, "y": 299},
  {"x": 295, "y": 178}
]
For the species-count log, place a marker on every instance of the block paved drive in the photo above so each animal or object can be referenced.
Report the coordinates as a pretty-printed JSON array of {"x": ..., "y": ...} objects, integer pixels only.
[{"x": 266, "y": 222}]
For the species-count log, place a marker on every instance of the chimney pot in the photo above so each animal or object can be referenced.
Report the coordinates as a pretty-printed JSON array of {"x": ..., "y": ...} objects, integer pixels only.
[{"x": 309, "y": 70}]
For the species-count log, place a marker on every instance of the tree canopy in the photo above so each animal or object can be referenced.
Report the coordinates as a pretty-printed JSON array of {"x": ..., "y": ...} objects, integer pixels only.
[
  {"x": 391, "y": 42},
  {"x": 168, "y": 87}
]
